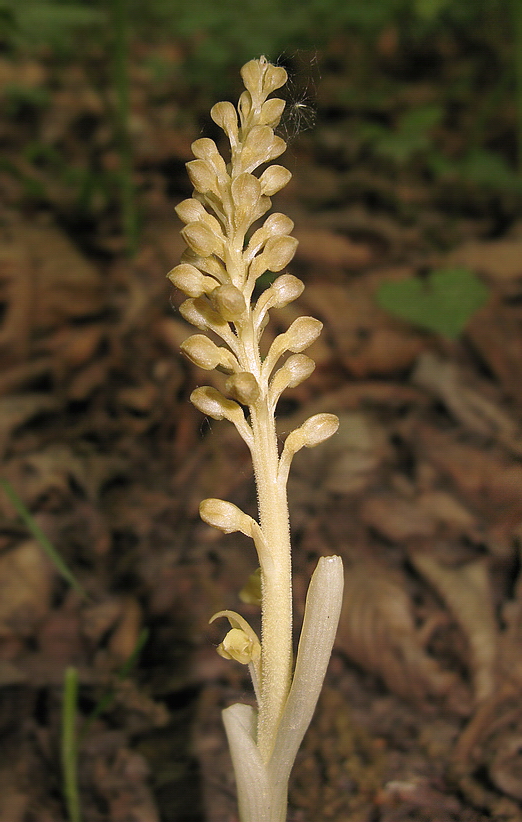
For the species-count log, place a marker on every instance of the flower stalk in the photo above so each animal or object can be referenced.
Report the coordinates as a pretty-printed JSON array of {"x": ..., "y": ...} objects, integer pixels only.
[{"x": 225, "y": 257}]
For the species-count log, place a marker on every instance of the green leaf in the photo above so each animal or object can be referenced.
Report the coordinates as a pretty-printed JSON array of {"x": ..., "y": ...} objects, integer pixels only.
[
  {"x": 430, "y": 9},
  {"x": 488, "y": 169},
  {"x": 444, "y": 302}
]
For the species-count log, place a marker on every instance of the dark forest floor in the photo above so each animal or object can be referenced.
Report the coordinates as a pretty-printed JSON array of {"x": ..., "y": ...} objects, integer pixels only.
[{"x": 420, "y": 491}]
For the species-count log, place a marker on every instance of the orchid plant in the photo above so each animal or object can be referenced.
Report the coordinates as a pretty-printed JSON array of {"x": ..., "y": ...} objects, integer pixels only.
[{"x": 225, "y": 257}]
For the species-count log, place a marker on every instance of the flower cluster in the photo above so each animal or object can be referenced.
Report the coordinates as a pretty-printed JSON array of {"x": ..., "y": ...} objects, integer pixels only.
[{"x": 225, "y": 258}]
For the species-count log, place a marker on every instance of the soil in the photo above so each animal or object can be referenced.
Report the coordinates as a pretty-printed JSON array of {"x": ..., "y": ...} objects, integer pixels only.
[{"x": 420, "y": 492}]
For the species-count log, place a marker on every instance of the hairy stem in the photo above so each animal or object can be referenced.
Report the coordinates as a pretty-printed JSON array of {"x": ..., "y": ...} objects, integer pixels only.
[{"x": 276, "y": 578}]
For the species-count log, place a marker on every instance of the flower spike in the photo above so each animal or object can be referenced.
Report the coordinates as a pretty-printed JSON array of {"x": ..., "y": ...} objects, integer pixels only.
[{"x": 228, "y": 250}]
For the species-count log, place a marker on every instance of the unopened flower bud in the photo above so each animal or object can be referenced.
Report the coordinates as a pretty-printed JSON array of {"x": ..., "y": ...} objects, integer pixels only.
[
  {"x": 284, "y": 290},
  {"x": 274, "y": 226},
  {"x": 239, "y": 646},
  {"x": 224, "y": 115},
  {"x": 244, "y": 106},
  {"x": 198, "y": 312},
  {"x": 211, "y": 402},
  {"x": 243, "y": 387},
  {"x": 206, "y": 149},
  {"x": 225, "y": 516},
  {"x": 296, "y": 370},
  {"x": 276, "y": 254},
  {"x": 252, "y": 76},
  {"x": 209, "y": 265},
  {"x": 279, "y": 251},
  {"x": 301, "y": 334},
  {"x": 312, "y": 432},
  {"x": 246, "y": 191},
  {"x": 201, "y": 239},
  {"x": 202, "y": 176},
  {"x": 190, "y": 210},
  {"x": 271, "y": 112},
  {"x": 298, "y": 367},
  {"x": 319, "y": 428},
  {"x": 245, "y": 188},
  {"x": 260, "y": 209},
  {"x": 202, "y": 352},
  {"x": 191, "y": 281},
  {"x": 229, "y": 302},
  {"x": 273, "y": 179},
  {"x": 273, "y": 78},
  {"x": 278, "y": 224},
  {"x": 258, "y": 147},
  {"x": 278, "y": 147}
]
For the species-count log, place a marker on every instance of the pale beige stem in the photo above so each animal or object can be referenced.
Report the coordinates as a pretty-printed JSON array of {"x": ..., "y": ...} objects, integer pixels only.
[
  {"x": 276, "y": 565},
  {"x": 276, "y": 577}
]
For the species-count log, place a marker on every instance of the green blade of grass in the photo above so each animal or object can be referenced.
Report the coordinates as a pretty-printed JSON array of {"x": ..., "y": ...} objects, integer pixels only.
[
  {"x": 69, "y": 747},
  {"x": 30, "y": 523}
]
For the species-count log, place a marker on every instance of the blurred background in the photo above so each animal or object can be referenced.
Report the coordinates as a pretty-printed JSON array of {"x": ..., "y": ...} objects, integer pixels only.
[{"x": 404, "y": 130}]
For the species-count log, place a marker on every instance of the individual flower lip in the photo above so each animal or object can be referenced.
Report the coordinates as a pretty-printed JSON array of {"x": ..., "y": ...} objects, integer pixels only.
[
  {"x": 239, "y": 646},
  {"x": 244, "y": 644}
]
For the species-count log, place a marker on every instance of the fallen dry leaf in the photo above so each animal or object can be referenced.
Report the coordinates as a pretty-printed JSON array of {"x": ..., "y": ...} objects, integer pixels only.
[
  {"x": 63, "y": 283},
  {"x": 487, "y": 481},
  {"x": 26, "y": 582},
  {"x": 474, "y": 410},
  {"x": 322, "y": 247},
  {"x": 377, "y": 630},
  {"x": 501, "y": 260},
  {"x": 467, "y": 593}
]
